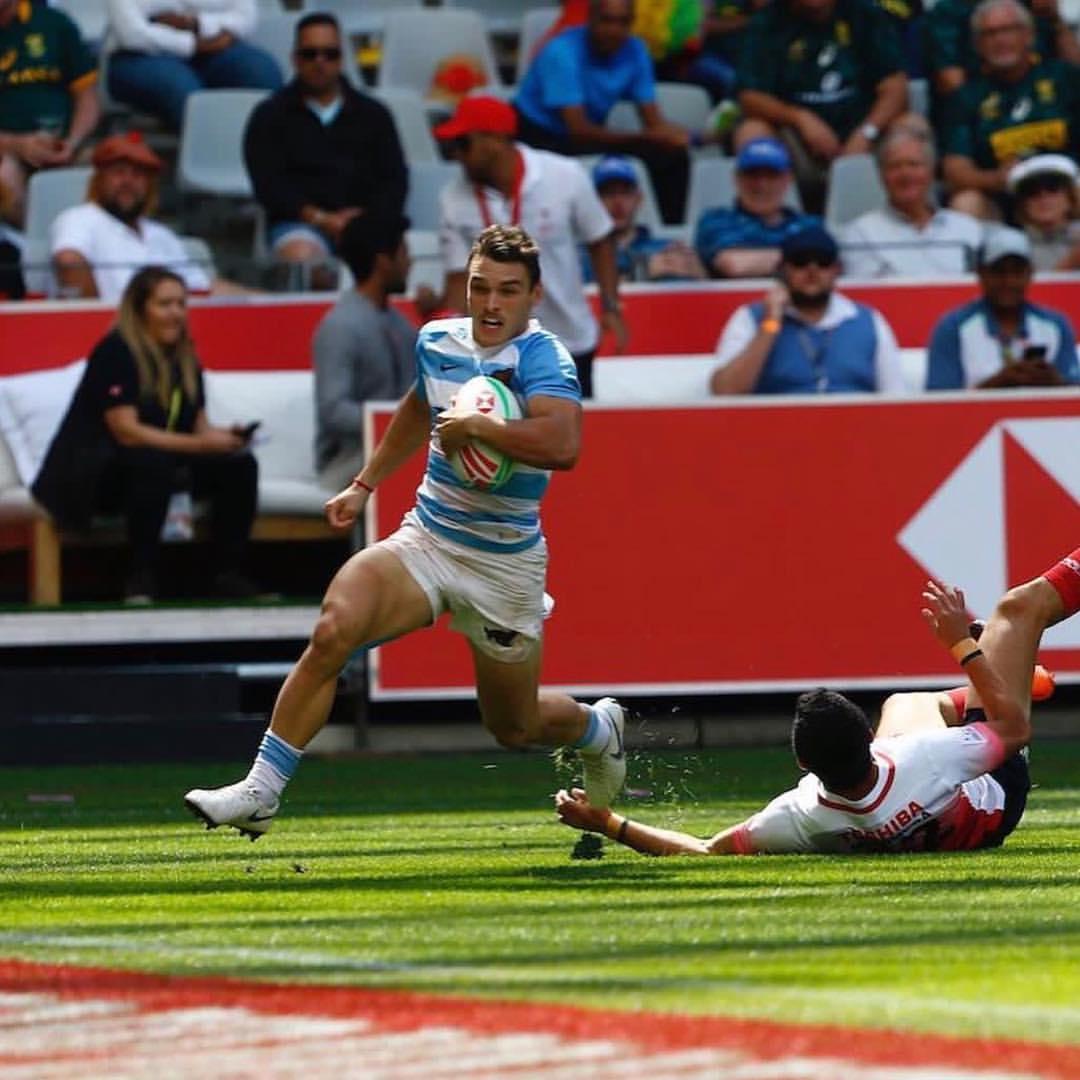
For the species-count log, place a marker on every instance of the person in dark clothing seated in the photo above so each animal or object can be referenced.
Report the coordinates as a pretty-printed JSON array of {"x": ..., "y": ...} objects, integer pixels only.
[
  {"x": 319, "y": 153},
  {"x": 136, "y": 431}
]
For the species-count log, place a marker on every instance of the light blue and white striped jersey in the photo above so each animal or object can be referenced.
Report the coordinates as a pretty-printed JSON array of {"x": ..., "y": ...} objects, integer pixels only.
[{"x": 535, "y": 363}]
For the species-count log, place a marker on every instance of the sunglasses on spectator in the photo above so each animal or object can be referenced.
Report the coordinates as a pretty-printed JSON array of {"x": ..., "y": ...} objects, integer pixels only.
[
  {"x": 1037, "y": 185},
  {"x": 309, "y": 52},
  {"x": 811, "y": 258}
]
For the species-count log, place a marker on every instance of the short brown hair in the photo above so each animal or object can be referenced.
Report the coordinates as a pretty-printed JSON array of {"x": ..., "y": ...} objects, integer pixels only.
[{"x": 509, "y": 244}]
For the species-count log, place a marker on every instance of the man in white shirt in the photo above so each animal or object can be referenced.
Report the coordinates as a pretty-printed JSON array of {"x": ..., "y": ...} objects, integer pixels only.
[
  {"x": 165, "y": 50},
  {"x": 945, "y": 772},
  {"x": 548, "y": 195},
  {"x": 910, "y": 236},
  {"x": 98, "y": 245}
]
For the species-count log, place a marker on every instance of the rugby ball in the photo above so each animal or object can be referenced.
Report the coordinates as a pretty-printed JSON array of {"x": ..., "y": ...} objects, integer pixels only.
[{"x": 477, "y": 464}]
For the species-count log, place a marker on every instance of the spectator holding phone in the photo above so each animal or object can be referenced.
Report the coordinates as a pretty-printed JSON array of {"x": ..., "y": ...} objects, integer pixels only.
[
  {"x": 136, "y": 431},
  {"x": 1002, "y": 339}
]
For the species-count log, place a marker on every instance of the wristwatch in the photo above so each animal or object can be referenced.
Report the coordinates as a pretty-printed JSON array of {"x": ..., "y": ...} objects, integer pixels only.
[{"x": 870, "y": 132}]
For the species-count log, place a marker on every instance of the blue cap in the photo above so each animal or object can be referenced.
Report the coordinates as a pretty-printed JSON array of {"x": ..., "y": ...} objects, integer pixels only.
[
  {"x": 813, "y": 240},
  {"x": 614, "y": 168},
  {"x": 763, "y": 154}
]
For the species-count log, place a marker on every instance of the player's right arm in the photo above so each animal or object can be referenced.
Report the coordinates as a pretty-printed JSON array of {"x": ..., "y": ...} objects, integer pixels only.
[
  {"x": 408, "y": 432},
  {"x": 575, "y": 810}
]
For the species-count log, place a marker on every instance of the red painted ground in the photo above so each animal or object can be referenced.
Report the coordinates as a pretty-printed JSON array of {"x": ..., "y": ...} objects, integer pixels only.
[{"x": 386, "y": 1012}]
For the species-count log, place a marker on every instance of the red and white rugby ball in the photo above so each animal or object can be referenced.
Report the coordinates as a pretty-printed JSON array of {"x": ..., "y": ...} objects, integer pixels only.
[{"x": 477, "y": 464}]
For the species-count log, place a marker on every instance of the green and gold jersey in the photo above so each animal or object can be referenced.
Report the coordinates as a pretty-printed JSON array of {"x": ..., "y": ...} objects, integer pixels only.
[
  {"x": 43, "y": 60},
  {"x": 831, "y": 68},
  {"x": 991, "y": 121},
  {"x": 949, "y": 41}
]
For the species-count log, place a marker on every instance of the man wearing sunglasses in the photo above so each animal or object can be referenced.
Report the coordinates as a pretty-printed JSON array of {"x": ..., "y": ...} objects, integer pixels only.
[
  {"x": 802, "y": 337},
  {"x": 319, "y": 153}
]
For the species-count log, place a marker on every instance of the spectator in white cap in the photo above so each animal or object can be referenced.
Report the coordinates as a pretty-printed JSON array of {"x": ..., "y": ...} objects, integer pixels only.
[
  {"x": 911, "y": 236},
  {"x": 1002, "y": 339},
  {"x": 744, "y": 240},
  {"x": 1045, "y": 206},
  {"x": 639, "y": 255}
]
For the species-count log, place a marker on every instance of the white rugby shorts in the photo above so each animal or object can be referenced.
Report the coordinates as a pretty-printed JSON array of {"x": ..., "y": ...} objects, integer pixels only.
[{"x": 496, "y": 600}]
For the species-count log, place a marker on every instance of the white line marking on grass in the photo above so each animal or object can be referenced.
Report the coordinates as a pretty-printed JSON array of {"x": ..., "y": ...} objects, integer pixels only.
[
  {"x": 297, "y": 959},
  {"x": 47, "y": 1041}
]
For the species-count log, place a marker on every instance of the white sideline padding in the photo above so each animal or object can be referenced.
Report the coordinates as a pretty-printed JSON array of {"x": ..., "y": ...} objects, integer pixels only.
[{"x": 674, "y": 380}]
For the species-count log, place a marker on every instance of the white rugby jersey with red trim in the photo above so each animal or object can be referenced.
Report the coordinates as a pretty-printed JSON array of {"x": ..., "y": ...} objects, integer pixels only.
[{"x": 932, "y": 794}]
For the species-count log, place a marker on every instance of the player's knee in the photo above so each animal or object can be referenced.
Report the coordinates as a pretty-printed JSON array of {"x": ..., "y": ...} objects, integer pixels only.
[
  {"x": 1019, "y": 602},
  {"x": 331, "y": 640}
]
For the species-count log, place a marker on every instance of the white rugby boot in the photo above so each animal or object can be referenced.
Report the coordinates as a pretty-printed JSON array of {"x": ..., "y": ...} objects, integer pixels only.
[
  {"x": 605, "y": 770},
  {"x": 237, "y": 805}
]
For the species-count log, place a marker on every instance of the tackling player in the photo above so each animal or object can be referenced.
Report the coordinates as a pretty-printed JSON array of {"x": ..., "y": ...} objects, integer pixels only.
[
  {"x": 479, "y": 555},
  {"x": 945, "y": 772}
]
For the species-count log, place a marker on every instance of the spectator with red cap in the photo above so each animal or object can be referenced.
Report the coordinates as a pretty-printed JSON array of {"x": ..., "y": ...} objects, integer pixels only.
[
  {"x": 98, "y": 245},
  {"x": 551, "y": 197}
]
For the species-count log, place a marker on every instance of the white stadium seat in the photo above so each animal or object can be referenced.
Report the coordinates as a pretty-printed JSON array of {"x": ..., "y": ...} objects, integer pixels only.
[
  {"x": 49, "y": 192},
  {"x": 211, "y": 157},
  {"x": 426, "y": 180},
  {"x": 416, "y": 42},
  {"x": 413, "y": 126},
  {"x": 854, "y": 188}
]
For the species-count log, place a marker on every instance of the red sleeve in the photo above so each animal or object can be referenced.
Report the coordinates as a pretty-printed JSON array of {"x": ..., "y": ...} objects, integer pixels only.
[{"x": 741, "y": 842}]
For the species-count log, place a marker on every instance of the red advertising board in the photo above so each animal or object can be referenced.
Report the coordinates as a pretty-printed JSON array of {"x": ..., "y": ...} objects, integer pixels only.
[
  {"x": 753, "y": 545},
  {"x": 274, "y": 332}
]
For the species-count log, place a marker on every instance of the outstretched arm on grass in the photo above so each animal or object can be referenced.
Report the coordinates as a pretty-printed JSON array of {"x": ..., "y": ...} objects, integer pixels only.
[{"x": 575, "y": 810}]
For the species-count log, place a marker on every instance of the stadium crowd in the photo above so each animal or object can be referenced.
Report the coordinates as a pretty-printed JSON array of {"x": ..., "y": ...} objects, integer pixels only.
[{"x": 662, "y": 140}]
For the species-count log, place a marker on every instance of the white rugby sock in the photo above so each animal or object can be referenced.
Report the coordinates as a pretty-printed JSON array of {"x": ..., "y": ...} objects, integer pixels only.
[
  {"x": 274, "y": 765},
  {"x": 597, "y": 734}
]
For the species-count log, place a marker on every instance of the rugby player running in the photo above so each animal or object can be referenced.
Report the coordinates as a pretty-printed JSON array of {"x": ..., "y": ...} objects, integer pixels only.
[
  {"x": 945, "y": 771},
  {"x": 480, "y": 555}
]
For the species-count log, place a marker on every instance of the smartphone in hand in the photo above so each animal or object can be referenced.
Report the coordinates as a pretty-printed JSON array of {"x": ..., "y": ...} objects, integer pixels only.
[{"x": 246, "y": 431}]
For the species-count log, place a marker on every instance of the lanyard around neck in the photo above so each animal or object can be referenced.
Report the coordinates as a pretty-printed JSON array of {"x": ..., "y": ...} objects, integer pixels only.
[{"x": 515, "y": 194}]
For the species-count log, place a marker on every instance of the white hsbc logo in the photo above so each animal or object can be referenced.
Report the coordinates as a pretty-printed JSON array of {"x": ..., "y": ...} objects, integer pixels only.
[{"x": 959, "y": 535}]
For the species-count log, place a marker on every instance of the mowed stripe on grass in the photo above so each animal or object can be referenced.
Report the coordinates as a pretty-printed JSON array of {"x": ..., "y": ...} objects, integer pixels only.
[
  {"x": 69, "y": 1022},
  {"x": 450, "y": 876}
]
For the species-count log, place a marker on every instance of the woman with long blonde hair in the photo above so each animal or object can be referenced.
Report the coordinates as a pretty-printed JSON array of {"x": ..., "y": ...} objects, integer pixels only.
[{"x": 137, "y": 431}]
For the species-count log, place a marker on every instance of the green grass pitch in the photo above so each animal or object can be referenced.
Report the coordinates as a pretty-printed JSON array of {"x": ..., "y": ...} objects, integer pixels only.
[{"x": 450, "y": 874}]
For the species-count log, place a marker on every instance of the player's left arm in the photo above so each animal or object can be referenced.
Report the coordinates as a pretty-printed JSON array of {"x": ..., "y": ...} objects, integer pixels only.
[
  {"x": 1007, "y": 714},
  {"x": 575, "y": 810},
  {"x": 547, "y": 437}
]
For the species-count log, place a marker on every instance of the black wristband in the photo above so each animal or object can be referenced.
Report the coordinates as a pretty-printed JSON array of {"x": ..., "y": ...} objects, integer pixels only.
[
  {"x": 971, "y": 656},
  {"x": 620, "y": 836}
]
